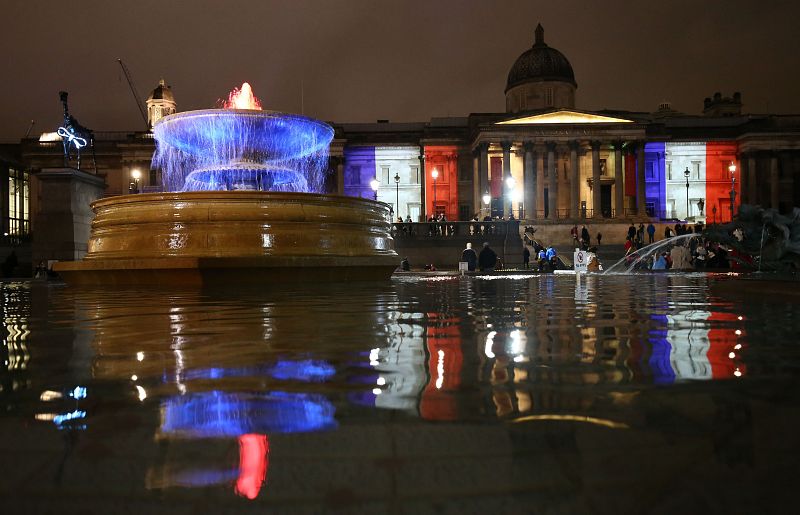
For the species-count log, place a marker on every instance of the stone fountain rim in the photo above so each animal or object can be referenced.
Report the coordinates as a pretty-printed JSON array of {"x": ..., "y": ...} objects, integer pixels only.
[{"x": 237, "y": 195}]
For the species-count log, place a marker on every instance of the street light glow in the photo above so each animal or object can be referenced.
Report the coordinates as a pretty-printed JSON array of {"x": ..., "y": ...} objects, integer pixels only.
[
  {"x": 435, "y": 174},
  {"x": 136, "y": 174},
  {"x": 510, "y": 182}
]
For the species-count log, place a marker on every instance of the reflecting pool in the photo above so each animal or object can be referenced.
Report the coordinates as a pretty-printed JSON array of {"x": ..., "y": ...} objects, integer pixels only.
[{"x": 632, "y": 394}]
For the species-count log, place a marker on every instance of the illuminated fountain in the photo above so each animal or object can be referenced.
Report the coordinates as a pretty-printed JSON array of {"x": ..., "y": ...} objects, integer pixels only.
[{"x": 243, "y": 204}]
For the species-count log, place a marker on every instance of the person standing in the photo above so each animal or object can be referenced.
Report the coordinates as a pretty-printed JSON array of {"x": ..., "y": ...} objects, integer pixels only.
[
  {"x": 640, "y": 236},
  {"x": 651, "y": 232},
  {"x": 574, "y": 233},
  {"x": 487, "y": 259},
  {"x": 526, "y": 256},
  {"x": 585, "y": 238},
  {"x": 631, "y": 232},
  {"x": 470, "y": 257},
  {"x": 599, "y": 237}
]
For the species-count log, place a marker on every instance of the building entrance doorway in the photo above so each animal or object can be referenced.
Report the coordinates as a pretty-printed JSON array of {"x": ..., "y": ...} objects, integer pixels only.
[
  {"x": 547, "y": 202},
  {"x": 605, "y": 200}
]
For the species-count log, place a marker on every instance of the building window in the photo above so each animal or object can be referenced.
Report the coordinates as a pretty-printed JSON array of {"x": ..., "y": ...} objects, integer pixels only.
[
  {"x": 650, "y": 171},
  {"x": 153, "y": 177},
  {"x": 464, "y": 212},
  {"x": 548, "y": 97},
  {"x": 18, "y": 214},
  {"x": 414, "y": 174},
  {"x": 385, "y": 174},
  {"x": 696, "y": 170},
  {"x": 668, "y": 164},
  {"x": 603, "y": 169}
]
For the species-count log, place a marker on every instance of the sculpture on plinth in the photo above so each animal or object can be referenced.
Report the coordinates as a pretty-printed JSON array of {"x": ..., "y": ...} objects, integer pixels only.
[{"x": 74, "y": 135}]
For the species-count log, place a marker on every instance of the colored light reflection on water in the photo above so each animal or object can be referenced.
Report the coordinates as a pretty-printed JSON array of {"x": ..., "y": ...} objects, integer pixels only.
[{"x": 405, "y": 394}]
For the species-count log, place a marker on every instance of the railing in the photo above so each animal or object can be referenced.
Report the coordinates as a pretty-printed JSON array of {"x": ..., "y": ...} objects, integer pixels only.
[{"x": 454, "y": 229}]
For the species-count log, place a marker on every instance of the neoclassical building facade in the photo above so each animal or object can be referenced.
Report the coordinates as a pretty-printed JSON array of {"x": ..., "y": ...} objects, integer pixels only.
[{"x": 543, "y": 159}]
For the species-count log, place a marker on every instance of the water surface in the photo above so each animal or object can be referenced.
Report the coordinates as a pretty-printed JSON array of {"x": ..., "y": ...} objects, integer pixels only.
[{"x": 636, "y": 394}]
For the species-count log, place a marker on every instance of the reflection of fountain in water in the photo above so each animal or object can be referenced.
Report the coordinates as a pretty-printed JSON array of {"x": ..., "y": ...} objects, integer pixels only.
[{"x": 638, "y": 259}]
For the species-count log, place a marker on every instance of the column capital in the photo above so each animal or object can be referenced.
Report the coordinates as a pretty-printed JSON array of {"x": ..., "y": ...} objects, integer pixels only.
[
  {"x": 617, "y": 145},
  {"x": 574, "y": 145},
  {"x": 529, "y": 146},
  {"x": 506, "y": 146},
  {"x": 550, "y": 146},
  {"x": 595, "y": 144},
  {"x": 483, "y": 146}
]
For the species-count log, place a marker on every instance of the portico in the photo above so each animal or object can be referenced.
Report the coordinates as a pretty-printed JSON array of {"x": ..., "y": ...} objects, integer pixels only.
[{"x": 562, "y": 164}]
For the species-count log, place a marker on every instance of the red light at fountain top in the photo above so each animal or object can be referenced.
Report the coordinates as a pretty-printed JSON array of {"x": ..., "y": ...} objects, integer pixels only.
[{"x": 242, "y": 99}]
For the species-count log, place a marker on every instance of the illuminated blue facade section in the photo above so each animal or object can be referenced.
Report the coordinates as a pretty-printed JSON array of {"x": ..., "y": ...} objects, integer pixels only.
[{"x": 655, "y": 179}]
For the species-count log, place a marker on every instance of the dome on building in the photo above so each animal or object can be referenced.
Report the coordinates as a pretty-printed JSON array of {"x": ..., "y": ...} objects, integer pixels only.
[
  {"x": 540, "y": 63},
  {"x": 162, "y": 92}
]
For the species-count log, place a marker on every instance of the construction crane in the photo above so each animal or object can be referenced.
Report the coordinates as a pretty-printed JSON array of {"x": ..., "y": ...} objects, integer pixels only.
[{"x": 135, "y": 93}]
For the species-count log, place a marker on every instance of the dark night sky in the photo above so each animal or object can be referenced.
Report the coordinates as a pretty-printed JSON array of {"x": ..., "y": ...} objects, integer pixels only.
[{"x": 361, "y": 60}]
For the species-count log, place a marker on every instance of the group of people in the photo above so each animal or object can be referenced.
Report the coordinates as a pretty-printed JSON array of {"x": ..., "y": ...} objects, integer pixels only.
[
  {"x": 582, "y": 239},
  {"x": 485, "y": 261},
  {"x": 694, "y": 254}
]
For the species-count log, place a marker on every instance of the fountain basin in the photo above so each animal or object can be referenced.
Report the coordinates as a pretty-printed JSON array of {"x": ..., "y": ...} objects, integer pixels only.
[
  {"x": 272, "y": 135},
  {"x": 201, "y": 237}
]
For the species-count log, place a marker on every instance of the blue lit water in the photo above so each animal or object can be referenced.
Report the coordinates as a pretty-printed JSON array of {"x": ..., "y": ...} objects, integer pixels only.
[{"x": 632, "y": 394}]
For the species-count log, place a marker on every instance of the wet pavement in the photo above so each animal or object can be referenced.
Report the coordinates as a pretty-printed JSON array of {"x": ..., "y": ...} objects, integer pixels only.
[{"x": 662, "y": 393}]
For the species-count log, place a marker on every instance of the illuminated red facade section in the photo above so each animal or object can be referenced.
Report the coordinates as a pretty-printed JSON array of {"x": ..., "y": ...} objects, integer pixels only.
[
  {"x": 445, "y": 199},
  {"x": 630, "y": 175},
  {"x": 438, "y": 400},
  {"x": 719, "y": 156}
]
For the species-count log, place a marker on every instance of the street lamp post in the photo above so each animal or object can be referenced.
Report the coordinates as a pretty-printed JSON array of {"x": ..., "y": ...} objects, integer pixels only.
[
  {"x": 435, "y": 175},
  {"x": 374, "y": 185},
  {"x": 732, "y": 170},
  {"x": 486, "y": 199},
  {"x": 510, "y": 183},
  {"x": 397, "y": 192},
  {"x": 686, "y": 174},
  {"x": 136, "y": 175}
]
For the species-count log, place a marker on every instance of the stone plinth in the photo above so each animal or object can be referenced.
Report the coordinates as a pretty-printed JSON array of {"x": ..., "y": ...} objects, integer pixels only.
[
  {"x": 202, "y": 237},
  {"x": 62, "y": 223}
]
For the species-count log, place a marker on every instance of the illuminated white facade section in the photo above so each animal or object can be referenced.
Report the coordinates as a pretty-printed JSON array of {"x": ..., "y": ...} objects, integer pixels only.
[
  {"x": 404, "y": 196},
  {"x": 678, "y": 157}
]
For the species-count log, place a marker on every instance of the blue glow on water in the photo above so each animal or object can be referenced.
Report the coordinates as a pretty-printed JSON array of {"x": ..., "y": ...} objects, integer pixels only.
[
  {"x": 308, "y": 370},
  {"x": 220, "y": 415},
  {"x": 229, "y": 149}
]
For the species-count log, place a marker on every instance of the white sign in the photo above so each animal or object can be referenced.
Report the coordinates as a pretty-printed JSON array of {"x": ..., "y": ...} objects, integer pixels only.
[
  {"x": 580, "y": 260},
  {"x": 463, "y": 266}
]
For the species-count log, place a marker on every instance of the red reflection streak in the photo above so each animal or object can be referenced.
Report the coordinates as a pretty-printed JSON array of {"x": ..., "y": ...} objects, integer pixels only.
[
  {"x": 438, "y": 401},
  {"x": 722, "y": 355},
  {"x": 253, "y": 463}
]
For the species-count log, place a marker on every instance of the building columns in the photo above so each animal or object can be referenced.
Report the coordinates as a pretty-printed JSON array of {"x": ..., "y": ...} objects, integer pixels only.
[
  {"x": 774, "y": 182},
  {"x": 574, "y": 180},
  {"x": 743, "y": 180},
  {"x": 752, "y": 192},
  {"x": 619, "y": 189},
  {"x": 339, "y": 162},
  {"x": 596, "y": 180},
  {"x": 552, "y": 177},
  {"x": 508, "y": 206},
  {"x": 640, "y": 191},
  {"x": 424, "y": 181},
  {"x": 483, "y": 171},
  {"x": 529, "y": 180}
]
